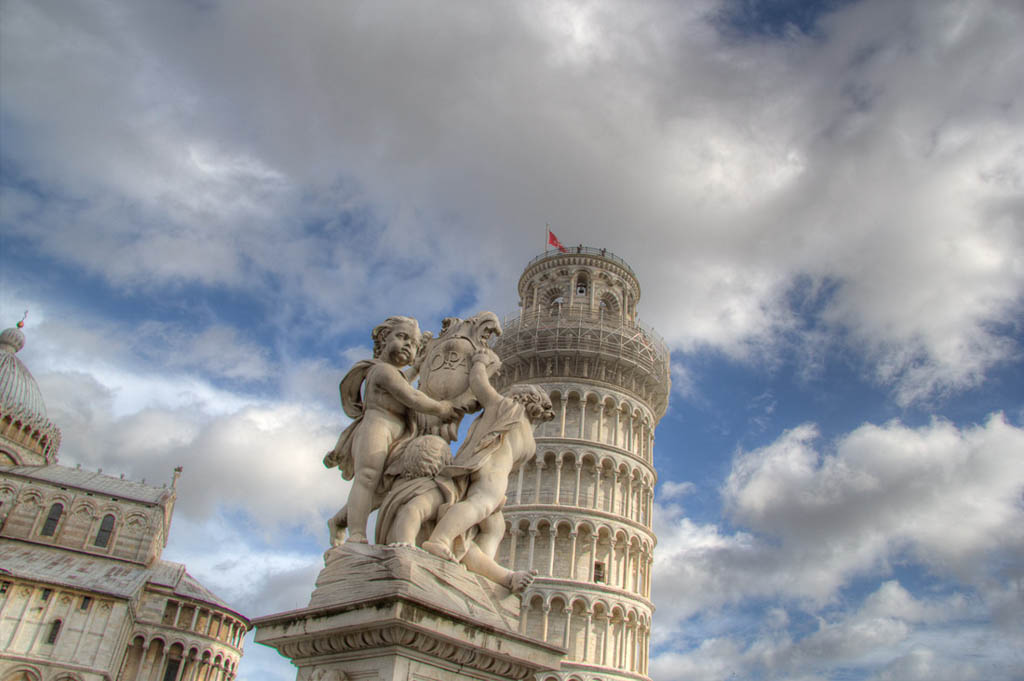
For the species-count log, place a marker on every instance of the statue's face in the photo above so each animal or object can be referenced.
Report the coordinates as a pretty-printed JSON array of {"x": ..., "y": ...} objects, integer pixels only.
[{"x": 402, "y": 343}]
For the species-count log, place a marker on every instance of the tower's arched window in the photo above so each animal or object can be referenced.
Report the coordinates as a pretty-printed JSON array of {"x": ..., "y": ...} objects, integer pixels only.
[
  {"x": 51, "y": 638},
  {"x": 582, "y": 284},
  {"x": 609, "y": 304},
  {"x": 52, "y": 518},
  {"x": 106, "y": 529}
]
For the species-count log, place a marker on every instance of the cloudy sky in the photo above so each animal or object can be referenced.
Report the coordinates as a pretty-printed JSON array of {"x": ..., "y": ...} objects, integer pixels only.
[{"x": 206, "y": 205}]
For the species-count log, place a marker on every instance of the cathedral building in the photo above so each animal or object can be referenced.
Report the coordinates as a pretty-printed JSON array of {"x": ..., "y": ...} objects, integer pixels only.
[
  {"x": 84, "y": 592},
  {"x": 579, "y": 512}
]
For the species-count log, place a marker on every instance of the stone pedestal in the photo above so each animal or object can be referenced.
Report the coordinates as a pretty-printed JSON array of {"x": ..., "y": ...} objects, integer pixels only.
[{"x": 400, "y": 614}]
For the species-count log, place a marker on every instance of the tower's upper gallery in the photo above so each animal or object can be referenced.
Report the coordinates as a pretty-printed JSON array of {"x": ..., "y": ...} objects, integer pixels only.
[
  {"x": 584, "y": 279},
  {"x": 578, "y": 321}
]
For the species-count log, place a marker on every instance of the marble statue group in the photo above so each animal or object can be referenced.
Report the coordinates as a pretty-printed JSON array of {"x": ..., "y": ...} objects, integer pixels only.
[{"x": 397, "y": 449}]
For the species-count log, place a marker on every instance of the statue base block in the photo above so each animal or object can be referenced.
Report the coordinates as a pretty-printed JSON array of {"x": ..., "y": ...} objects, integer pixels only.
[{"x": 401, "y": 614}]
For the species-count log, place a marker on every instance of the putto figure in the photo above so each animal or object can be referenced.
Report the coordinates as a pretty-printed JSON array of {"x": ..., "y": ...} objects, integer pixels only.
[
  {"x": 396, "y": 449},
  {"x": 383, "y": 403},
  {"x": 458, "y": 511},
  {"x": 498, "y": 442}
]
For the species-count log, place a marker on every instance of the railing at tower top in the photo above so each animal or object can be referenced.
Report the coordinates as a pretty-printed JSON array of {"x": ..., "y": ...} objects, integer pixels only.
[
  {"x": 577, "y": 328},
  {"x": 583, "y": 250}
]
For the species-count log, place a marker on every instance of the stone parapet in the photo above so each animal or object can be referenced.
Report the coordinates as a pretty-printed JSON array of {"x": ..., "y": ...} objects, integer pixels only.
[{"x": 574, "y": 343}]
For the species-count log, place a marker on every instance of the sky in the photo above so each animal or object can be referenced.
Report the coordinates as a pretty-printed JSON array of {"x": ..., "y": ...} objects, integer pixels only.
[{"x": 205, "y": 206}]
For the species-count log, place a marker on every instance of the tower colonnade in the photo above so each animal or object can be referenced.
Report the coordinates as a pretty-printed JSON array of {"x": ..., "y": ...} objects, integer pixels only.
[{"x": 579, "y": 510}]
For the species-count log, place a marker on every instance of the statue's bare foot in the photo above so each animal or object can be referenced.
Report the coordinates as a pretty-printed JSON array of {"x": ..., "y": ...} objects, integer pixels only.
[
  {"x": 439, "y": 550},
  {"x": 402, "y": 545},
  {"x": 520, "y": 580},
  {"x": 356, "y": 538}
]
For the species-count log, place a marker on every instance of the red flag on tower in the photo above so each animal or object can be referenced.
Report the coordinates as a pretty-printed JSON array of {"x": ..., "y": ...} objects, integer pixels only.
[{"x": 553, "y": 241}]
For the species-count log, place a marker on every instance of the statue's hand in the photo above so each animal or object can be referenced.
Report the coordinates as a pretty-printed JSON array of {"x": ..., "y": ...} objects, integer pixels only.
[
  {"x": 486, "y": 357},
  {"x": 466, "y": 403},
  {"x": 446, "y": 411},
  {"x": 520, "y": 580}
]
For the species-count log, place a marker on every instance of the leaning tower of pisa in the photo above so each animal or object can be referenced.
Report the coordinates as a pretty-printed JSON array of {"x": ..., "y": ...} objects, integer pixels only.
[{"x": 579, "y": 511}]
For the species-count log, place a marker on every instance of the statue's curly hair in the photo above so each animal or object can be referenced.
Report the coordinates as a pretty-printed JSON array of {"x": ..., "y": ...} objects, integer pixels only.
[
  {"x": 425, "y": 456},
  {"x": 534, "y": 400},
  {"x": 381, "y": 332}
]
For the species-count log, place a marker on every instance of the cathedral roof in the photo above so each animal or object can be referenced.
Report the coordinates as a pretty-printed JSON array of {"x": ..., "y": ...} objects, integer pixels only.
[
  {"x": 21, "y": 402},
  {"x": 61, "y": 567},
  {"x": 92, "y": 481},
  {"x": 173, "y": 575},
  {"x": 99, "y": 574}
]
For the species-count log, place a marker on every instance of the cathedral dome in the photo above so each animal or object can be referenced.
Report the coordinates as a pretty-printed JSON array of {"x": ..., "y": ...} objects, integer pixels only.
[{"x": 23, "y": 419}]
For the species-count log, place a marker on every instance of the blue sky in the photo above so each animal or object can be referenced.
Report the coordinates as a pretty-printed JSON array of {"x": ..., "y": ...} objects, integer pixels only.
[{"x": 206, "y": 207}]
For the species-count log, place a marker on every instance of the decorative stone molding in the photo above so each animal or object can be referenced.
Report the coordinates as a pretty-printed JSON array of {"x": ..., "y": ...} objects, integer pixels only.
[{"x": 403, "y": 635}]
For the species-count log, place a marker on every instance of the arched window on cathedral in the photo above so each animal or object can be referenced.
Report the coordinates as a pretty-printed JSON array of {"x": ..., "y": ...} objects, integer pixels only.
[
  {"x": 106, "y": 529},
  {"x": 52, "y": 518},
  {"x": 51, "y": 638}
]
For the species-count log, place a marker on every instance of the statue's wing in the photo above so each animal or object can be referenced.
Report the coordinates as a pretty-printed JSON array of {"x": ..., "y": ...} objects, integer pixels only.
[{"x": 351, "y": 388}]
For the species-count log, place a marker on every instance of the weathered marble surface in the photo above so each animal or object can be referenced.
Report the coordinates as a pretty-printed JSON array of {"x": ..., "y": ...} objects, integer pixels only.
[
  {"x": 399, "y": 614},
  {"x": 396, "y": 452},
  {"x": 355, "y": 573}
]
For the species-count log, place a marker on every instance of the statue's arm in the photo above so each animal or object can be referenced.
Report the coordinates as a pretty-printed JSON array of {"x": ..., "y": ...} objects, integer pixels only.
[
  {"x": 393, "y": 381},
  {"x": 479, "y": 382}
]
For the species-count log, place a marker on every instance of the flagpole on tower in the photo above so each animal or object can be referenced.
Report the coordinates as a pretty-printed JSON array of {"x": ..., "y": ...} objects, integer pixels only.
[{"x": 547, "y": 230}]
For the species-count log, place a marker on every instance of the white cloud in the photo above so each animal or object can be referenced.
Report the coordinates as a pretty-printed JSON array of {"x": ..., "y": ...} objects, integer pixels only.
[
  {"x": 809, "y": 524},
  {"x": 947, "y": 496},
  {"x": 883, "y": 156},
  {"x": 937, "y": 634},
  {"x": 228, "y": 553},
  {"x": 258, "y": 458},
  {"x": 675, "y": 490},
  {"x": 142, "y": 414}
]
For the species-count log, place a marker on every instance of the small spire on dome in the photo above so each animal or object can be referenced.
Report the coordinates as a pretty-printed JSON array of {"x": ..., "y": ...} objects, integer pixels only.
[{"x": 13, "y": 339}]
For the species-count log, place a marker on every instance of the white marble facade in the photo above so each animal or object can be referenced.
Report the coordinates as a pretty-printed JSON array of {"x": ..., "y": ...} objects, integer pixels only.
[
  {"x": 84, "y": 593},
  {"x": 579, "y": 511}
]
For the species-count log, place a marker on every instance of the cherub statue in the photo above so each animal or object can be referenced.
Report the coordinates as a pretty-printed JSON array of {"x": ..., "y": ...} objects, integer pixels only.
[
  {"x": 465, "y": 500},
  {"x": 382, "y": 402}
]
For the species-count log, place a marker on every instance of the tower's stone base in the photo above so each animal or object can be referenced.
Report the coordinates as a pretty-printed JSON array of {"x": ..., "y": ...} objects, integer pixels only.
[{"x": 400, "y": 614}]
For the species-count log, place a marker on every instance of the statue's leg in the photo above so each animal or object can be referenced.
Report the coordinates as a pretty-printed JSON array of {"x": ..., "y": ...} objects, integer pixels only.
[
  {"x": 460, "y": 517},
  {"x": 410, "y": 519},
  {"x": 480, "y": 563},
  {"x": 492, "y": 531},
  {"x": 369, "y": 450}
]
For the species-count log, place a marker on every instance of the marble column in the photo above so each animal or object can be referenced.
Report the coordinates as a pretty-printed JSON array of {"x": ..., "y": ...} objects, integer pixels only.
[{"x": 572, "y": 554}]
